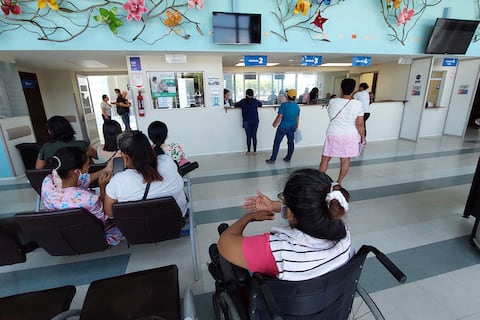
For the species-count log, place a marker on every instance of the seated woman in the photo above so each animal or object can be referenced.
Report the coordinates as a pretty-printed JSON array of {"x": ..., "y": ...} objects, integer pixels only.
[
  {"x": 109, "y": 150},
  {"x": 61, "y": 135},
  {"x": 67, "y": 187},
  {"x": 158, "y": 132},
  {"x": 315, "y": 241},
  {"x": 145, "y": 174}
]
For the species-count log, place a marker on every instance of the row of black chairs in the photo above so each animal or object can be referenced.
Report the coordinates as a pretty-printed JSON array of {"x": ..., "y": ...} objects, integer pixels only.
[{"x": 147, "y": 294}]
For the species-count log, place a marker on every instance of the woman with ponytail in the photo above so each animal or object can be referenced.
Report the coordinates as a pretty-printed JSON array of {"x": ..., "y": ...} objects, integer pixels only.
[
  {"x": 67, "y": 187},
  {"x": 314, "y": 242},
  {"x": 146, "y": 175},
  {"x": 158, "y": 132}
]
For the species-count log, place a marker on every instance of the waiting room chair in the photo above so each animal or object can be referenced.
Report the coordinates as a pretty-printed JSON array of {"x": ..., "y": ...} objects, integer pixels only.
[
  {"x": 36, "y": 176},
  {"x": 152, "y": 221},
  {"x": 38, "y": 305},
  {"x": 11, "y": 249},
  {"x": 64, "y": 232},
  {"x": 137, "y": 295}
]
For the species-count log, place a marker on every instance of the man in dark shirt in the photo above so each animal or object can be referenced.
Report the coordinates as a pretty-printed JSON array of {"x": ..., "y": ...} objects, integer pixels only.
[{"x": 123, "y": 109}]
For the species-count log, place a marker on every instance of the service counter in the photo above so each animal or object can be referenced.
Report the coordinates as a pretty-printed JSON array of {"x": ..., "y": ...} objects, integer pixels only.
[{"x": 219, "y": 130}]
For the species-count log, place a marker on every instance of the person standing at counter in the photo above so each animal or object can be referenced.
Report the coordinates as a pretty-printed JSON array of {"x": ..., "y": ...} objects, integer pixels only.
[
  {"x": 364, "y": 97},
  {"x": 287, "y": 122},
  {"x": 249, "y": 107},
  {"x": 346, "y": 130},
  {"x": 226, "y": 98}
]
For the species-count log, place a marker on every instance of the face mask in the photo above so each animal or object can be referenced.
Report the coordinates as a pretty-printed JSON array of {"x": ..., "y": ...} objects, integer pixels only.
[
  {"x": 283, "y": 211},
  {"x": 82, "y": 179}
]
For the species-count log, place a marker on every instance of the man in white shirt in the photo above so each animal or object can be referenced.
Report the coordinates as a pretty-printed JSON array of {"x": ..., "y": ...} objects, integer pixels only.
[{"x": 364, "y": 97}]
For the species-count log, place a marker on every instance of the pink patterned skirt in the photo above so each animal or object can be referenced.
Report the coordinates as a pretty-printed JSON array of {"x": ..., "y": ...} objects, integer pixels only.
[{"x": 341, "y": 146}]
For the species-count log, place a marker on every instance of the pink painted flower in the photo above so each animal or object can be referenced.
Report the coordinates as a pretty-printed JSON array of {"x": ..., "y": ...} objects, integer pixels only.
[
  {"x": 135, "y": 9},
  {"x": 195, "y": 3},
  {"x": 404, "y": 16}
]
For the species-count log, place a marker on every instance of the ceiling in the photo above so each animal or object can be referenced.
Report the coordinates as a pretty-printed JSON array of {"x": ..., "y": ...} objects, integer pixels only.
[{"x": 94, "y": 62}]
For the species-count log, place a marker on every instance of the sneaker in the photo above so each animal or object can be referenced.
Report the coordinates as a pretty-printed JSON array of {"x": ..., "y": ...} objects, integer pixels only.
[
  {"x": 286, "y": 159},
  {"x": 270, "y": 161}
]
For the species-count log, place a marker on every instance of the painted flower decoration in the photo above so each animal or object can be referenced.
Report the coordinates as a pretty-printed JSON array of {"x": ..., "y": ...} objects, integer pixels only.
[
  {"x": 135, "y": 9},
  {"x": 302, "y": 6},
  {"x": 10, "y": 6},
  {"x": 51, "y": 3},
  {"x": 404, "y": 16},
  {"x": 319, "y": 20},
  {"x": 396, "y": 3},
  {"x": 173, "y": 18},
  {"x": 195, "y": 3}
]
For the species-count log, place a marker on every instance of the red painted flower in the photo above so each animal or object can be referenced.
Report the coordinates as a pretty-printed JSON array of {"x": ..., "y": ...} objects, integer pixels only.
[
  {"x": 404, "y": 16},
  {"x": 135, "y": 9},
  {"x": 10, "y": 6},
  {"x": 319, "y": 20},
  {"x": 195, "y": 3}
]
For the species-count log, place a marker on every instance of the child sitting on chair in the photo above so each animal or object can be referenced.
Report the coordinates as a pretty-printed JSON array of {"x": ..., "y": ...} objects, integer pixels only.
[
  {"x": 67, "y": 187},
  {"x": 158, "y": 132}
]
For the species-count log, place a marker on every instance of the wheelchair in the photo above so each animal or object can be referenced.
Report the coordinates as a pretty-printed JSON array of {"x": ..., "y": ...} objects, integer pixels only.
[{"x": 332, "y": 296}]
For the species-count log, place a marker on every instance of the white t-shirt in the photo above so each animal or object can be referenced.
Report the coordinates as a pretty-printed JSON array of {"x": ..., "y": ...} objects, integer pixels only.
[
  {"x": 129, "y": 185},
  {"x": 364, "y": 98},
  {"x": 344, "y": 123},
  {"x": 108, "y": 108}
]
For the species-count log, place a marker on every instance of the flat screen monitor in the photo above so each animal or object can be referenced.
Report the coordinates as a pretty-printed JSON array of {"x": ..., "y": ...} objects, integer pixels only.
[
  {"x": 237, "y": 28},
  {"x": 451, "y": 36}
]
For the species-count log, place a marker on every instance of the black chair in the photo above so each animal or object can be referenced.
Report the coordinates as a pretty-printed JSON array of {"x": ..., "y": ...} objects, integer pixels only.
[
  {"x": 152, "y": 221},
  {"x": 64, "y": 232},
  {"x": 328, "y": 297},
  {"x": 39, "y": 305},
  {"x": 11, "y": 248},
  {"x": 141, "y": 294},
  {"x": 36, "y": 176}
]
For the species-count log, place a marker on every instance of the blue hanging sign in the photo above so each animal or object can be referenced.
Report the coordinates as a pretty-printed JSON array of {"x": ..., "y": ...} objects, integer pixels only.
[
  {"x": 135, "y": 64},
  {"x": 361, "y": 61},
  {"x": 28, "y": 84},
  {"x": 255, "y": 61},
  {"x": 450, "y": 62},
  {"x": 311, "y": 61}
]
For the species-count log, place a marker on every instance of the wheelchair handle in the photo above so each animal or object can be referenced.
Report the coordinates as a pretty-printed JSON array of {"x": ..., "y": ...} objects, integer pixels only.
[{"x": 387, "y": 263}]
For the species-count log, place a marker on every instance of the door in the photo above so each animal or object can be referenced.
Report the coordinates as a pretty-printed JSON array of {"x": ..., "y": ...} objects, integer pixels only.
[
  {"x": 87, "y": 106},
  {"x": 462, "y": 96},
  {"x": 415, "y": 99},
  {"x": 35, "y": 106}
]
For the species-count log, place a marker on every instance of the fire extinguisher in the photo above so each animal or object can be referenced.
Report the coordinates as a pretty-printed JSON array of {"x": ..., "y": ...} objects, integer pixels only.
[{"x": 141, "y": 109}]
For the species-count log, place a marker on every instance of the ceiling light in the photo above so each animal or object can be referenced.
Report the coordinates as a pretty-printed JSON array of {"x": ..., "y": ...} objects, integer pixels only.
[
  {"x": 89, "y": 64},
  {"x": 337, "y": 64},
  {"x": 269, "y": 64}
]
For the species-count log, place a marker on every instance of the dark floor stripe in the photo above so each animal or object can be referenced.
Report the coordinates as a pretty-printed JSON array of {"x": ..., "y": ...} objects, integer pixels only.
[
  {"x": 9, "y": 187},
  {"x": 354, "y": 163},
  {"x": 231, "y": 213},
  {"x": 421, "y": 263},
  {"x": 417, "y": 263},
  {"x": 75, "y": 273}
]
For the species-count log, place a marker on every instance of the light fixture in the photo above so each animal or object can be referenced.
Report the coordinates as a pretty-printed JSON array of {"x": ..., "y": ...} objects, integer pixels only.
[
  {"x": 89, "y": 64},
  {"x": 269, "y": 64},
  {"x": 337, "y": 64}
]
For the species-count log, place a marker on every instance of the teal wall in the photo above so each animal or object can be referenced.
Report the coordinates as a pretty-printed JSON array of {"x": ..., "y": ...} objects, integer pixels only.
[{"x": 362, "y": 18}]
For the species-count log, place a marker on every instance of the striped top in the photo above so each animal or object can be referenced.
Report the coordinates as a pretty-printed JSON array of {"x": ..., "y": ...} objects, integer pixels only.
[{"x": 290, "y": 254}]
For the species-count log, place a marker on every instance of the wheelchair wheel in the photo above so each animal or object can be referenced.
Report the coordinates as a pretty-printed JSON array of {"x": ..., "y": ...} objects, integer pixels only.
[
  {"x": 224, "y": 307},
  {"x": 364, "y": 307}
]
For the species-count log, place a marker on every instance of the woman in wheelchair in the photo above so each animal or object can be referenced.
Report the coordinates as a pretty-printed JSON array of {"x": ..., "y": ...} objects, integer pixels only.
[
  {"x": 67, "y": 187},
  {"x": 146, "y": 176},
  {"x": 315, "y": 241}
]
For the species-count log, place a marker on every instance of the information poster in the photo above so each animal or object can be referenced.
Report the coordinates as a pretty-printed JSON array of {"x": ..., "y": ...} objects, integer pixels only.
[{"x": 215, "y": 91}]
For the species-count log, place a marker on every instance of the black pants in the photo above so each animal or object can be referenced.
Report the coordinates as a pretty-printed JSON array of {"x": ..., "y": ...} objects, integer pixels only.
[{"x": 365, "y": 117}]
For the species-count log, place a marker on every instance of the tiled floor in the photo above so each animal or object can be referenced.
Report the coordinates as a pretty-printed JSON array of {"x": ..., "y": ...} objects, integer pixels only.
[{"x": 407, "y": 199}]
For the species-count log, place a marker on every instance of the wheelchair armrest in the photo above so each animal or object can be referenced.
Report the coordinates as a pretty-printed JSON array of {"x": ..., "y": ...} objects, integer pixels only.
[
  {"x": 187, "y": 168},
  {"x": 67, "y": 314}
]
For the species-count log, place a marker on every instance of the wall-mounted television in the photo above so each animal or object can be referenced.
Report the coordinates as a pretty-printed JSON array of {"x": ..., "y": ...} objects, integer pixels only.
[
  {"x": 237, "y": 28},
  {"x": 451, "y": 36}
]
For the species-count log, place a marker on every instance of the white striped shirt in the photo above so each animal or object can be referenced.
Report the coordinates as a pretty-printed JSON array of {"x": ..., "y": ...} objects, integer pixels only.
[{"x": 300, "y": 257}]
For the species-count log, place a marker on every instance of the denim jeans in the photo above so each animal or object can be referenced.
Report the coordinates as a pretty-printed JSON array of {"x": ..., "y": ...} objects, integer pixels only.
[
  {"x": 251, "y": 132},
  {"x": 281, "y": 132},
  {"x": 126, "y": 120}
]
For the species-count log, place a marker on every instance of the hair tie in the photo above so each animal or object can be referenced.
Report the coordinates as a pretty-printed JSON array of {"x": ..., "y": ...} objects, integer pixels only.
[
  {"x": 57, "y": 181},
  {"x": 337, "y": 195}
]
